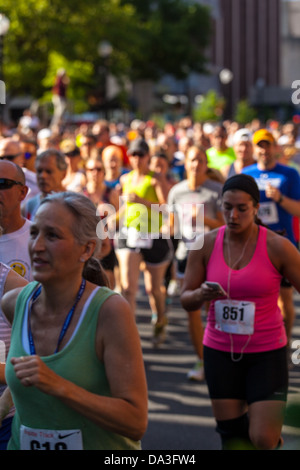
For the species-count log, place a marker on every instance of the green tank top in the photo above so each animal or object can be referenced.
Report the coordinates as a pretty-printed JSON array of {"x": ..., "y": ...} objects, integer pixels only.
[
  {"x": 138, "y": 215},
  {"x": 78, "y": 363},
  {"x": 218, "y": 159}
]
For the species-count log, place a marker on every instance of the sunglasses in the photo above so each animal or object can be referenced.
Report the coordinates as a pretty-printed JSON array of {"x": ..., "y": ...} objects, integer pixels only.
[
  {"x": 95, "y": 169},
  {"x": 87, "y": 144},
  {"x": 7, "y": 183},
  {"x": 9, "y": 157},
  {"x": 138, "y": 154},
  {"x": 28, "y": 155},
  {"x": 74, "y": 153}
]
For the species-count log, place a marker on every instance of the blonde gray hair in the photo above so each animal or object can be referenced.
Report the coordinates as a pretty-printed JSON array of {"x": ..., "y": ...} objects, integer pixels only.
[
  {"x": 84, "y": 228},
  {"x": 84, "y": 212}
]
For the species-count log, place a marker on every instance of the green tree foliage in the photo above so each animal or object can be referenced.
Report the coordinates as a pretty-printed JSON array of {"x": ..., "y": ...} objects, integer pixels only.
[
  {"x": 244, "y": 112},
  {"x": 149, "y": 38},
  {"x": 210, "y": 109},
  {"x": 175, "y": 34},
  {"x": 69, "y": 30}
]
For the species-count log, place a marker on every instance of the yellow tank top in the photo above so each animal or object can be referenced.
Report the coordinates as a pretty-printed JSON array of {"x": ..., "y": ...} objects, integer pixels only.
[{"x": 137, "y": 215}]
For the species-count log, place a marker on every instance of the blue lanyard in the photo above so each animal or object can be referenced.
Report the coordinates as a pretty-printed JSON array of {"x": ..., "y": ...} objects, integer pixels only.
[{"x": 66, "y": 322}]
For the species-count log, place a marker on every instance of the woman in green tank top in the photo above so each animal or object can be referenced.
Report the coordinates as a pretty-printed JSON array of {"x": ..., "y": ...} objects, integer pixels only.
[
  {"x": 75, "y": 385},
  {"x": 140, "y": 235}
]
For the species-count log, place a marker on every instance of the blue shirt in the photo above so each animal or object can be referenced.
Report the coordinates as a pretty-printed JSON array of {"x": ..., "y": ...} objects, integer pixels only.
[
  {"x": 287, "y": 180},
  {"x": 112, "y": 184}
]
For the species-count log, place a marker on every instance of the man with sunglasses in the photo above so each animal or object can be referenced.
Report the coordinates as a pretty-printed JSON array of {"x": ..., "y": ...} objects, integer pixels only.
[
  {"x": 10, "y": 150},
  {"x": 29, "y": 150},
  {"x": 15, "y": 228},
  {"x": 23, "y": 154},
  {"x": 13, "y": 254}
]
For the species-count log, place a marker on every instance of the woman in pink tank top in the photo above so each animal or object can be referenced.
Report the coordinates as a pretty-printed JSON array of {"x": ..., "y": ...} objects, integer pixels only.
[{"x": 245, "y": 355}]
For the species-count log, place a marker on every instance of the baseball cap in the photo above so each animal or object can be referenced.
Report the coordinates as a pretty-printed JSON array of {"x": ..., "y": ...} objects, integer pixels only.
[
  {"x": 242, "y": 135},
  {"x": 263, "y": 134},
  {"x": 138, "y": 146},
  {"x": 44, "y": 134}
]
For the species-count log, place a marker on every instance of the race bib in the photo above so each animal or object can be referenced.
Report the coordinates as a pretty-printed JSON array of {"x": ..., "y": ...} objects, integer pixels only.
[
  {"x": 45, "y": 439},
  {"x": 136, "y": 239},
  {"x": 268, "y": 213},
  {"x": 235, "y": 316}
]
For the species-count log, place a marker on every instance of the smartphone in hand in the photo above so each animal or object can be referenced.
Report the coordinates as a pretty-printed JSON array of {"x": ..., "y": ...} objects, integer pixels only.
[{"x": 217, "y": 287}]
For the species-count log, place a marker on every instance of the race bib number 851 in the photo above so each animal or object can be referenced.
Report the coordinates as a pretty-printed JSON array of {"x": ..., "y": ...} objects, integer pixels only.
[{"x": 235, "y": 316}]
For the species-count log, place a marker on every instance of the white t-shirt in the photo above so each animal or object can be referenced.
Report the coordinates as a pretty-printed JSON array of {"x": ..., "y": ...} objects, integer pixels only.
[
  {"x": 5, "y": 329},
  {"x": 14, "y": 250},
  {"x": 31, "y": 182},
  {"x": 189, "y": 206}
]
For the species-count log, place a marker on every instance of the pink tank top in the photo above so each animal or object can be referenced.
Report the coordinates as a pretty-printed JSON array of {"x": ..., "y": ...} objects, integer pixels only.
[{"x": 258, "y": 282}]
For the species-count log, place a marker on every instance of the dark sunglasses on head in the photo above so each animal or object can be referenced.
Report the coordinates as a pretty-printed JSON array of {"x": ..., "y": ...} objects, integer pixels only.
[
  {"x": 74, "y": 153},
  {"x": 6, "y": 183},
  {"x": 138, "y": 154},
  {"x": 9, "y": 157}
]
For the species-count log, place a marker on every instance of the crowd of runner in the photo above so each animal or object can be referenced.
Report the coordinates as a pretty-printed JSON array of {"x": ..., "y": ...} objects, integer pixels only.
[{"x": 162, "y": 194}]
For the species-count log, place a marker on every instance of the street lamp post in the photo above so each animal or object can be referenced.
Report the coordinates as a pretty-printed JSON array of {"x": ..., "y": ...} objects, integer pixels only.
[
  {"x": 104, "y": 51},
  {"x": 226, "y": 77},
  {"x": 4, "y": 27}
]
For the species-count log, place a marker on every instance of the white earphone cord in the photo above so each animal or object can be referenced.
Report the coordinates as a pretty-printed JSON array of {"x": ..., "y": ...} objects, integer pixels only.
[{"x": 228, "y": 292}]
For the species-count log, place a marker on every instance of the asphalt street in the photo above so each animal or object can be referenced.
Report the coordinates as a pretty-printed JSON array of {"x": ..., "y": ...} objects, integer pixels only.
[{"x": 180, "y": 415}]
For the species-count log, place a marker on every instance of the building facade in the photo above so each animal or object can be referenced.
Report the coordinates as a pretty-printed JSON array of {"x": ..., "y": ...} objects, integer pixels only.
[{"x": 247, "y": 42}]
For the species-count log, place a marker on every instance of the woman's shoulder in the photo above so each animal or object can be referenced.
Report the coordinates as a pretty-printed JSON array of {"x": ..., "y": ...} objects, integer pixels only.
[
  {"x": 276, "y": 240},
  {"x": 14, "y": 280},
  {"x": 9, "y": 299},
  {"x": 125, "y": 177},
  {"x": 211, "y": 236},
  {"x": 114, "y": 308},
  {"x": 103, "y": 296},
  {"x": 155, "y": 178},
  {"x": 207, "y": 247},
  {"x": 210, "y": 239},
  {"x": 281, "y": 251},
  {"x": 278, "y": 245}
]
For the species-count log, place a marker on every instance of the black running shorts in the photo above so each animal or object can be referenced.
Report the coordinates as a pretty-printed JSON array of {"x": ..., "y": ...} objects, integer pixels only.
[
  {"x": 256, "y": 377},
  {"x": 160, "y": 252}
]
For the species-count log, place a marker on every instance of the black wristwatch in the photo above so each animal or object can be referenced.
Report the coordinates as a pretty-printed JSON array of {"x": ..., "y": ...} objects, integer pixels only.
[{"x": 280, "y": 199}]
